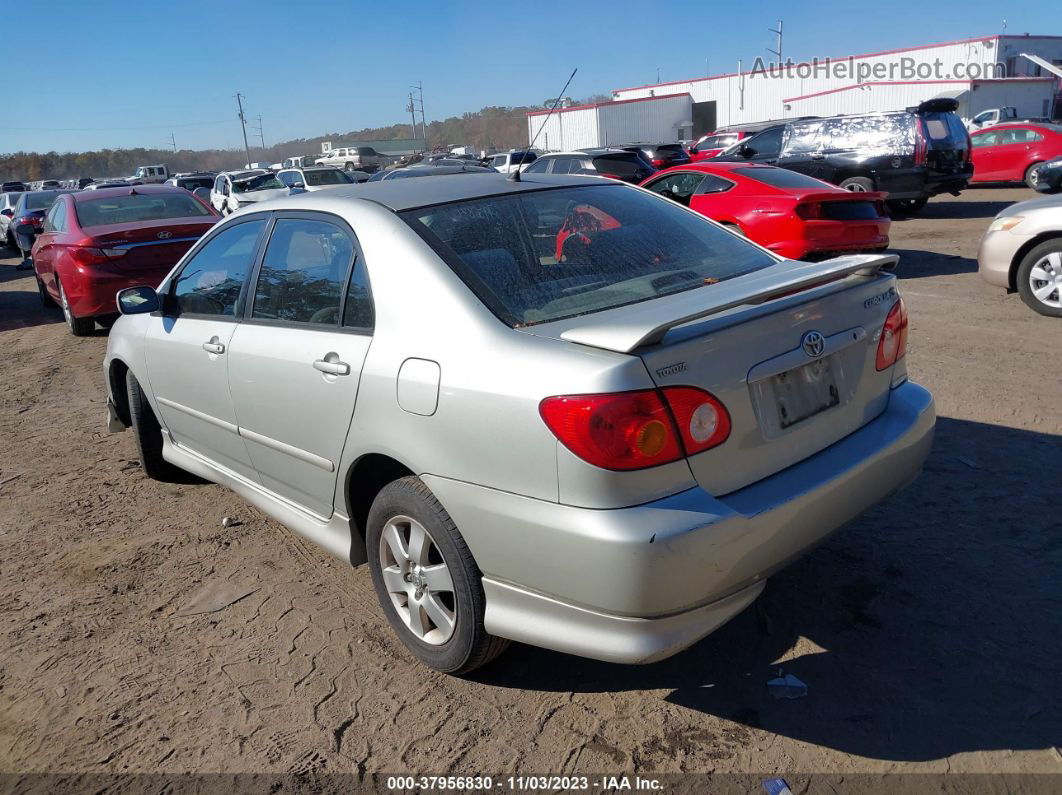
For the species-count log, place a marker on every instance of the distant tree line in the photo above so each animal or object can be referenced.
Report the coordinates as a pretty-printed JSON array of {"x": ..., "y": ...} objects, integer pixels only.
[{"x": 491, "y": 127}]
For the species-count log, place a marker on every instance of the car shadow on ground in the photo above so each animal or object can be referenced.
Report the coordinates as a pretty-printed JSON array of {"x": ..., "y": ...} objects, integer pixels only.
[
  {"x": 944, "y": 208},
  {"x": 22, "y": 308},
  {"x": 916, "y": 263},
  {"x": 927, "y": 627}
]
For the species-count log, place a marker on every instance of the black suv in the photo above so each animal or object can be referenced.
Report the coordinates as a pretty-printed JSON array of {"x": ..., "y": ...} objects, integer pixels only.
[
  {"x": 912, "y": 154},
  {"x": 659, "y": 155},
  {"x": 615, "y": 163}
]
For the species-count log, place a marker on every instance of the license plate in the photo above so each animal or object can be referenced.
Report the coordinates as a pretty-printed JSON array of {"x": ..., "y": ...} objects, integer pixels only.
[{"x": 805, "y": 391}]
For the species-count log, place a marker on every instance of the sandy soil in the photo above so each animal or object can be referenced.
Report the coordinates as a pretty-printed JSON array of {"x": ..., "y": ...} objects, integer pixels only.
[{"x": 927, "y": 632}]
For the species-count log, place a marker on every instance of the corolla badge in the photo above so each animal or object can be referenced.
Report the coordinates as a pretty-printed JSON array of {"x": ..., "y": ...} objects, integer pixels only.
[
  {"x": 164, "y": 235},
  {"x": 813, "y": 344}
]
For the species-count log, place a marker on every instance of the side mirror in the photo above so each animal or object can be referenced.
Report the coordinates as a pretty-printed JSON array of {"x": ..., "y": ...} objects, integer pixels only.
[
  {"x": 297, "y": 185},
  {"x": 7, "y": 213},
  {"x": 27, "y": 230},
  {"x": 137, "y": 300},
  {"x": 746, "y": 151}
]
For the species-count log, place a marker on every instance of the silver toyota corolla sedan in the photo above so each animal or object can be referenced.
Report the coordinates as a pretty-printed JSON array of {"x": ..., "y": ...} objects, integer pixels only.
[{"x": 563, "y": 411}]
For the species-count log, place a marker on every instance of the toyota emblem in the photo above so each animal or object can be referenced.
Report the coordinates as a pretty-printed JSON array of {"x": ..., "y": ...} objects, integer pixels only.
[
  {"x": 813, "y": 344},
  {"x": 164, "y": 235}
]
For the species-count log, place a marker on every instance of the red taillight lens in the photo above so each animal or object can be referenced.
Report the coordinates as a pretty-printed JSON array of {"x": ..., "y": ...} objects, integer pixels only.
[
  {"x": 623, "y": 431},
  {"x": 636, "y": 430},
  {"x": 920, "y": 144},
  {"x": 658, "y": 162},
  {"x": 90, "y": 255},
  {"x": 702, "y": 420},
  {"x": 892, "y": 345},
  {"x": 809, "y": 211}
]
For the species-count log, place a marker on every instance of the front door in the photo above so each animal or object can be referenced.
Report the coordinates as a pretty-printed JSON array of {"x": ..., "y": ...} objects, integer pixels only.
[
  {"x": 187, "y": 346},
  {"x": 296, "y": 359}
]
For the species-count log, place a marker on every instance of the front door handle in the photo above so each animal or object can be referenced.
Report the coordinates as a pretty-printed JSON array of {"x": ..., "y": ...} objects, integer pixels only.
[
  {"x": 214, "y": 346},
  {"x": 332, "y": 368}
]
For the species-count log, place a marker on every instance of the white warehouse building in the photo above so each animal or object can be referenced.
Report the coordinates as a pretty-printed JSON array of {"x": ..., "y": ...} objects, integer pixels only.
[{"x": 981, "y": 73}]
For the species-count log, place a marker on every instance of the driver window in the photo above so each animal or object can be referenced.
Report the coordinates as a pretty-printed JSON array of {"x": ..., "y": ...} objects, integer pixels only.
[
  {"x": 210, "y": 282},
  {"x": 678, "y": 187},
  {"x": 303, "y": 272}
]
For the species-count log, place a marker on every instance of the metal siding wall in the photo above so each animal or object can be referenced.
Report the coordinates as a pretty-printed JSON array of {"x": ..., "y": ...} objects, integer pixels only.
[
  {"x": 764, "y": 97},
  {"x": 654, "y": 121},
  {"x": 573, "y": 129}
]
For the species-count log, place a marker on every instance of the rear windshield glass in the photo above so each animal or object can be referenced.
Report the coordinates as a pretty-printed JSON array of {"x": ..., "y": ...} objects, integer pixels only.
[
  {"x": 328, "y": 176},
  {"x": 669, "y": 148},
  {"x": 40, "y": 201},
  {"x": 622, "y": 164},
  {"x": 142, "y": 207},
  {"x": 191, "y": 183},
  {"x": 781, "y": 177},
  {"x": 545, "y": 255}
]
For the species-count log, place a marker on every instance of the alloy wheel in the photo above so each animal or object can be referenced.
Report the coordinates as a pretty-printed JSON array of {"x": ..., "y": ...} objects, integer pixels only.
[
  {"x": 1045, "y": 280},
  {"x": 65, "y": 305},
  {"x": 417, "y": 580}
]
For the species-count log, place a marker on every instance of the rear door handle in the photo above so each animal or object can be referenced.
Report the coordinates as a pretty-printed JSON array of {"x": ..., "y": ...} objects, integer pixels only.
[
  {"x": 214, "y": 346},
  {"x": 332, "y": 368}
]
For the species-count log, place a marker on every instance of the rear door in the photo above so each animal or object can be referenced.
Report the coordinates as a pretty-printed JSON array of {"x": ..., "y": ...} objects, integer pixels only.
[
  {"x": 296, "y": 358},
  {"x": 1014, "y": 153},
  {"x": 187, "y": 346}
]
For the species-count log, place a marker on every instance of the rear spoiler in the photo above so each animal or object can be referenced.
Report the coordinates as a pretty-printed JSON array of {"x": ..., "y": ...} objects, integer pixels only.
[{"x": 629, "y": 328}]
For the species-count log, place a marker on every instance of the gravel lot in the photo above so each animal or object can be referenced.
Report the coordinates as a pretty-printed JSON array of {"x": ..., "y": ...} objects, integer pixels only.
[{"x": 928, "y": 632}]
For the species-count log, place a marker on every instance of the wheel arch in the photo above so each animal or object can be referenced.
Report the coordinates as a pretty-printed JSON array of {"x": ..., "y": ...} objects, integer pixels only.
[
  {"x": 116, "y": 374},
  {"x": 1020, "y": 254},
  {"x": 365, "y": 479},
  {"x": 853, "y": 172}
]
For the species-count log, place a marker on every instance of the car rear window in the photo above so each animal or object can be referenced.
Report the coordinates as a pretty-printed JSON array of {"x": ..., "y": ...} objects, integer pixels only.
[
  {"x": 626, "y": 165},
  {"x": 669, "y": 148},
  {"x": 191, "y": 183},
  {"x": 138, "y": 207},
  {"x": 41, "y": 201},
  {"x": 781, "y": 177},
  {"x": 328, "y": 176},
  {"x": 545, "y": 255}
]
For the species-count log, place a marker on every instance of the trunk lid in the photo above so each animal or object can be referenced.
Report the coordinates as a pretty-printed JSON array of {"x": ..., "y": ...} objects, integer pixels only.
[
  {"x": 151, "y": 245},
  {"x": 747, "y": 349}
]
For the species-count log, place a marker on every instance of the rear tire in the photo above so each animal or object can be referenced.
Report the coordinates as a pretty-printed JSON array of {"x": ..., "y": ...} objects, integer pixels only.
[
  {"x": 404, "y": 507},
  {"x": 46, "y": 300},
  {"x": 1037, "y": 272},
  {"x": 1032, "y": 178},
  {"x": 858, "y": 184},
  {"x": 906, "y": 206},
  {"x": 79, "y": 326},
  {"x": 148, "y": 434}
]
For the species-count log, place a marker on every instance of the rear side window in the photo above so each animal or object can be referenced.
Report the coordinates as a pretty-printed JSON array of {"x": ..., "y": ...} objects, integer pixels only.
[
  {"x": 303, "y": 272},
  {"x": 625, "y": 165},
  {"x": 1021, "y": 136},
  {"x": 358, "y": 312},
  {"x": 544, "y": 255},
  {"x": 210, "y": 282},
  {"x": 139, "y": 207},
  {"x": 716, "y": 142}
]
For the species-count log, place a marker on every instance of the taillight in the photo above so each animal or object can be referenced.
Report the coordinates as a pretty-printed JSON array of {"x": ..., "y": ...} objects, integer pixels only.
[
  {"x": 658, "y": 162},
  {"x": 636, "y": 430},
  {"x": 809, "y": 211},
  {"x": 32, "y": 220},
  {"x": 90, "y": 255},
  {"x": 969, "y": 148},
  {"x": 920, "y": 144},
  {"x": 892, "y": 345},
  {"x": 623, "y": 431},
  {"x": 702, "y": 420}
]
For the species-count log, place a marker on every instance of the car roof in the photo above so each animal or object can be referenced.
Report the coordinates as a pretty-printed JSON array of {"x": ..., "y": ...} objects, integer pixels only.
[
  {"x": 405, "y": 194},
  {"x": 710, "y": 165},
  {"x": 127, "y": 190}
]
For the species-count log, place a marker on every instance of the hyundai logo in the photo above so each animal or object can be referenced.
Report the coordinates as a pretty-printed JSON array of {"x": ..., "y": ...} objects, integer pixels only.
[
  {"x": 164, "y": 235},
  {"x": 813, "y": 344}
]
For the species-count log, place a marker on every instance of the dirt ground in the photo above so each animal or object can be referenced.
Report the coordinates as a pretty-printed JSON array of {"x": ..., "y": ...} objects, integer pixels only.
[{"x": 928, "y": 631}]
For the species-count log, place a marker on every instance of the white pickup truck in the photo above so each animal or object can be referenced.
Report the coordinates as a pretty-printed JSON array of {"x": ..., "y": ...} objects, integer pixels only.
[
  {"x": 150, "y": 174},
  {"x": 356, "y": 158}
]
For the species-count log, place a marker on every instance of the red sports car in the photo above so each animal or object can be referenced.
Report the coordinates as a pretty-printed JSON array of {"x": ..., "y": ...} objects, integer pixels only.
[
  {"x": 94, "y": 243},
  {"x": 794, "y": 215},
  {"x": 712, "y": 144},
  {"x": 1010, "y": 152}
]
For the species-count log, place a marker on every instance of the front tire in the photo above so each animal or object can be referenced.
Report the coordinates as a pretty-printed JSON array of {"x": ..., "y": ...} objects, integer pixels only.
[
  {"x": 427, "y": 581},
  {"x": 1039, "y": 278},
  {"x": 148, "y": 434},
  {"x": 79, "y": 326}
]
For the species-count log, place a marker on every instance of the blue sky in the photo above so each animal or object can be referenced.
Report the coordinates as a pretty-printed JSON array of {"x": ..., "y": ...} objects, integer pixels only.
[{"x": 122, "y": 74}]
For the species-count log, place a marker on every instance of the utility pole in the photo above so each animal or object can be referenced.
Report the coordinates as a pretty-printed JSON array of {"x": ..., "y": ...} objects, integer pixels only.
[
  {"x": 261, "y": 136},
  {"x": 658, "y": 74},
  {"x": 419, "y": 88},
  {"x": 243, "y": 125},
  {"x": 412, "y": 115},
  {"x": 173, "y": 143},
  {"x": 777, "y": 53}
]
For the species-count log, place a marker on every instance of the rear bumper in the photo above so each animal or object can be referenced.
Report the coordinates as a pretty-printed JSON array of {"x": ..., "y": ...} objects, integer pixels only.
[
  {"x": 835, "y": 236},
  {"x": 91, "y": 291},
  {"x": 638, "y": 584}
]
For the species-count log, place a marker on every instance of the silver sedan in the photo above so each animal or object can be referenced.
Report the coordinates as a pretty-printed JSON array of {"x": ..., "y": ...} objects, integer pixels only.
[{"x": 563, "y": 411}]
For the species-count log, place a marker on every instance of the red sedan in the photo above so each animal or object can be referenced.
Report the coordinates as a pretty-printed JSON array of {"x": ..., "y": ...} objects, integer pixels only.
[
  {"x": 95, "y": 243},
  {"x": 793, "y": 215},
  {"x": 1009, "y": 152}
]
